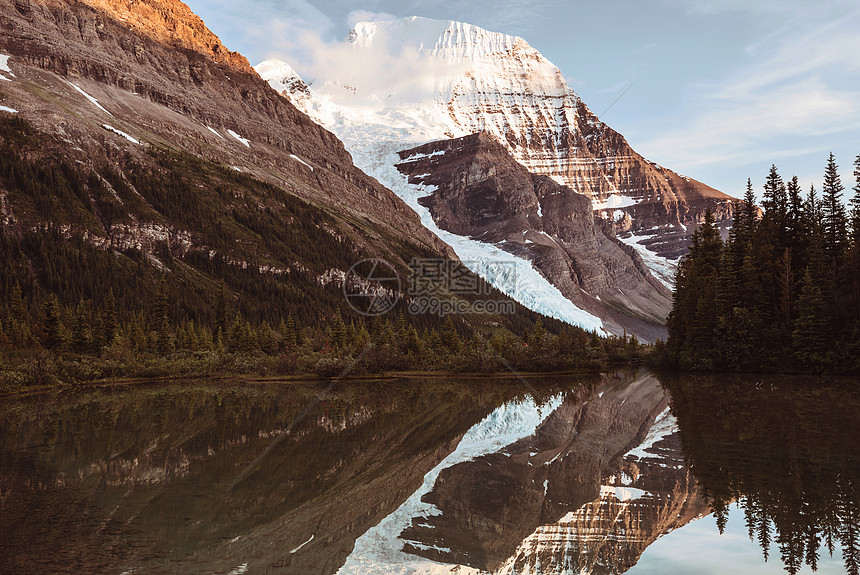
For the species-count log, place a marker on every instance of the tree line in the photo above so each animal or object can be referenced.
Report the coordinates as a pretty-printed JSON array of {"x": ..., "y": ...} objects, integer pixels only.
[
  {"x": 64, "y": 343},
  {"x": 781, "y": 293},
  {"x": 72, "y": 309}
]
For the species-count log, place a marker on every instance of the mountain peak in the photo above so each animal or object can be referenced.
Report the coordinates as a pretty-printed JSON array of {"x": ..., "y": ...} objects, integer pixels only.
[
  {"x": 172, "y": 23},
  {"x": 446, "y": 40}
]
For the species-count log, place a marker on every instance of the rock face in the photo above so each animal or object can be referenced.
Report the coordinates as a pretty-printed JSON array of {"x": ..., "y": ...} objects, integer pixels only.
[
  {"x": 150, "y": 70},
  {"x": 481, "y": 192},
  {"x": 458, "y": 79},
  {"x": 573, "y": 497}
]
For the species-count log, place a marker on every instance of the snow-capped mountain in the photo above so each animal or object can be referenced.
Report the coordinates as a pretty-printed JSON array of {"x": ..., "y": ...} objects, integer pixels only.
[
  {"x": 399, "y": 84},
  {"x": 417, "y": 80}
]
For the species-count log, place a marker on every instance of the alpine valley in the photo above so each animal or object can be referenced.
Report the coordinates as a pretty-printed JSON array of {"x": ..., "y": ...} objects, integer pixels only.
[{"x": 175, "y": 156}]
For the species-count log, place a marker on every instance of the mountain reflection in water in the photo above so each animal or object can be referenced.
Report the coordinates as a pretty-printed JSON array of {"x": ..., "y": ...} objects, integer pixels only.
[{"x": 428, "y": 476}]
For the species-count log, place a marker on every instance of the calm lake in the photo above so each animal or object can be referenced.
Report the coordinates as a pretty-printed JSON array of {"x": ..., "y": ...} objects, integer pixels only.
[{"x": 622, "y": 473}]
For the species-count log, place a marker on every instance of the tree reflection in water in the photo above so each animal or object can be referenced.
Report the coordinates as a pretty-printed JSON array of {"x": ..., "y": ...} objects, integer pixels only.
[{"x": 786, "y": 450}]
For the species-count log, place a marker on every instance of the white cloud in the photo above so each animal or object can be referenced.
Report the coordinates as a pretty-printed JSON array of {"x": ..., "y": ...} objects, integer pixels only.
[
  {"x": 799, "y": 86},
  {"x": 357, "y": 16},
  {"x": 721, "y": 6}
]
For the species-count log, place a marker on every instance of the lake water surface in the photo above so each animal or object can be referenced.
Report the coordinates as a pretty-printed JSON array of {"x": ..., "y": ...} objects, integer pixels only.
[{"x": 622, "y": 473}]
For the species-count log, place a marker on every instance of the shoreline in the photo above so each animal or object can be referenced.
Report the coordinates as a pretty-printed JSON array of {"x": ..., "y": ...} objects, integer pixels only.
[{"x": 305, "y": 378}]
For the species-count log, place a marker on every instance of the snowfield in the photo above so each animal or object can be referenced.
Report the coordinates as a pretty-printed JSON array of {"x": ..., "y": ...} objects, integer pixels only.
[{"x": 513, "y": 276}]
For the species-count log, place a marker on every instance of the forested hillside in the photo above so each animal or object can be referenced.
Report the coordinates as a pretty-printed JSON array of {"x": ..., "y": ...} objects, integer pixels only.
[
  {"x": 782, "y": 293},
  {"x": 79, "y": 300}
]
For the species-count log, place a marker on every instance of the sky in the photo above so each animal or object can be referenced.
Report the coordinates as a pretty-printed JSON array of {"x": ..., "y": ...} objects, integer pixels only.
[{"x": 717, "y": 90}]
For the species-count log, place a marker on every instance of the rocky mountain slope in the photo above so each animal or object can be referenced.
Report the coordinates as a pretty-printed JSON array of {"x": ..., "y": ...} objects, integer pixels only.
[
  {"x": 481, "y": 192},
  {"x": 174, "y": 156}
]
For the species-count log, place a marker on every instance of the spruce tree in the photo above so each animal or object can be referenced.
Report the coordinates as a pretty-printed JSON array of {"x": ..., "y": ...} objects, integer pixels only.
[
  {"x": 833, "y": 211},
  {"x": 287, "y": 332},
  {"x": 82, "y": 332},
  {"x": 809, "y": 339},
  {"x": 221, "y": 309},
  {"x": 161, "y": 319},
  {"x": 785, "y": 284},
  {"x": 855, "y": 205},
  {"x": 51, "y": 326},
  {"x": 812, "y": 212},
  {"x": 338, "y": 332},
  {"x": 796, "y": 231},
  {"x": 749, "y": 210},
  {"x": 775, "y": 201},
  {"x": 449, "y": 338},
  {"x": 109, "y": 318}
]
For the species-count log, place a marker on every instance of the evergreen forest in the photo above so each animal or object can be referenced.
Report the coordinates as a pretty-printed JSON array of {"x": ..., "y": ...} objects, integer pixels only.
[{"x": 781, "y": 293}]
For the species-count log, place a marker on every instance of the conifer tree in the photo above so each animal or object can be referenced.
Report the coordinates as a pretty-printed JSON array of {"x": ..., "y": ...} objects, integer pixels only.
[
  {"x": 775, "y": 201},
  {"x": 812, "y": 212},
  {"x": 287, "y": 331},
  {"x": 855, "y": 204},
  {"x": 749, "y": 212},
  {"x": 795, "y": 214},
  {"x": 221, "y": 309},
  {"x": 450, "y": 340},
  {"x": 809, "y": 340},
  {"x": 161, "y": 319},
  {"x": 785, "y": 284},
  {"x": 82, "y": 332},
  {"x": 110, "y": 318},
  {"x": 833, "y": 211},
  {"x": 338, "y": 332},
  {"x": 51, "y": 326}
]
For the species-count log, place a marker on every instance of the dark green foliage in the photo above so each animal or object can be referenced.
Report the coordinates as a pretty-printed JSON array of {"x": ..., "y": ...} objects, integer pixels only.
[{"x": 781, "y": 294}]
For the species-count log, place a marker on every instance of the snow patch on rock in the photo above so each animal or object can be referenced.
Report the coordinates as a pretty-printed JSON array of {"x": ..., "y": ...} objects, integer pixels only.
[
  {"x": 4, "y": 67},
  {"x": 245, "y": 141},
  {"x": 665, "y": 425},
  {"x": 301, "y": 161},
  {"x": 662, "y": 268},
  {"x": 120, "y": 133},
  {"x": 91, "y": 99}
]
